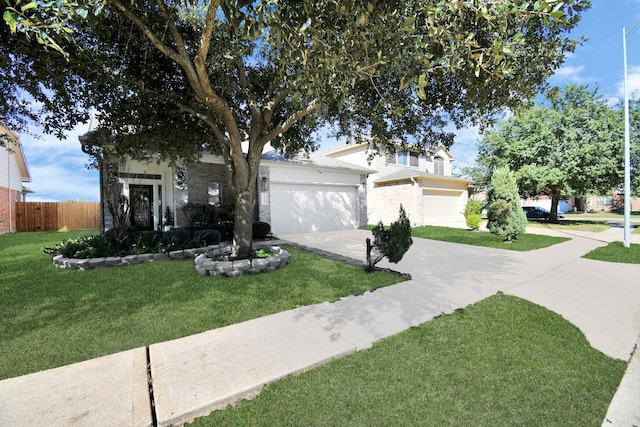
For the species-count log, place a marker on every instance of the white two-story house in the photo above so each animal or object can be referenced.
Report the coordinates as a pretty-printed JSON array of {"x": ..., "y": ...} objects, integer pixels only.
[
  {"x": 13, "y": 173},
  {"x": 422, "y": 183}
]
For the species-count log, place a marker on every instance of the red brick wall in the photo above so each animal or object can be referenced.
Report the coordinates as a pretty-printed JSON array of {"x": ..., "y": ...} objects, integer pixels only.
[{"x": 4, "y": 211}]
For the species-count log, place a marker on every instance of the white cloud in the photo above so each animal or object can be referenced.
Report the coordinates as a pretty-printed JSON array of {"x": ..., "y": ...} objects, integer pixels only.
[
  {"x": 633, "y": 77},
  {"x": 57, "y": 168},
  {"x": 465, "y": 146},
  {"x": 59, "y": 182},
  {"x": 571, "y": 74}
]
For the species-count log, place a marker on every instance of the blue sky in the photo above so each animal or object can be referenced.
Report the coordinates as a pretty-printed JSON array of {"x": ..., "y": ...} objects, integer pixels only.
[{"x": 58, "y": 169}]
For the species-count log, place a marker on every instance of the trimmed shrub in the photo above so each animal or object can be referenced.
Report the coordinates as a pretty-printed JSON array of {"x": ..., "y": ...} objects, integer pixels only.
[
  {"x": 504, "y": 212},
  {"x": 205, "y": 214},
  {"x": 392, "y": 243},
  {"x": 134, "y": 242},
  {"x": 82, "y": 246},
  {"x": 473, "y": 207},
  {"x": 473, "y": 214},
  {"x": 200, "y": 214},
  {"x": 473, "y": 221},
  {"x": 112, "y": 243}
]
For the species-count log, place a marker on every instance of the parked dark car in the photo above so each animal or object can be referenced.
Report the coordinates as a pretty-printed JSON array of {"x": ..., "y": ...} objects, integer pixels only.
[{"x": 536, "y": 212}]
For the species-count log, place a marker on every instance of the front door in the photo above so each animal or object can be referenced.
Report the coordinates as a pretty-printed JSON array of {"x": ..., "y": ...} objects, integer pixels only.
[{"x": 141, "y": 199}]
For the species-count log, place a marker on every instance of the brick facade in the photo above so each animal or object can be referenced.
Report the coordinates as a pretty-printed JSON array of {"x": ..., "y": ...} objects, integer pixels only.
[
  {"x": 263, "y": 195},
  {"x": 198, "y": 177},
  {"x": 4, "y": 211}
]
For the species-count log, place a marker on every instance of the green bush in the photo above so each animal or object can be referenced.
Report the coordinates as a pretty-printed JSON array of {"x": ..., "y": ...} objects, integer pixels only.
[
  {"x": 392, "y": 243},
  {"x": 113, "y": 243},
  {"x": 473, "y": 214},
  {"x": 69, "y": 248},
  {"x": 134, "y": 242},
  {"x": 198, "y": 214},
  {"x": 205, "y": 214},
  {"x": 473, "y": 207},
  {"x": 504, "y": 212},
  {"x": 473, "y": 221}
]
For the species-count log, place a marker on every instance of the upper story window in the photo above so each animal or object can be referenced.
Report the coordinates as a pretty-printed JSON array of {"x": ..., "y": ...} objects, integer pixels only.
[
  {"x": 403, "y": 158},
  {"x": 438, "y": 165}
]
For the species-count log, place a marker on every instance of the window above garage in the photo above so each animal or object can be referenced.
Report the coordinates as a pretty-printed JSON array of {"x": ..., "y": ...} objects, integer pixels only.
[{"x": 403, "y": 158}]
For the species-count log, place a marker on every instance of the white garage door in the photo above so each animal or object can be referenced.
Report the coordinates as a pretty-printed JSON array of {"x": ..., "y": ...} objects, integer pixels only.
[
  {"x": 299, "y": 208},
  {"x": 440, "y": 206}
]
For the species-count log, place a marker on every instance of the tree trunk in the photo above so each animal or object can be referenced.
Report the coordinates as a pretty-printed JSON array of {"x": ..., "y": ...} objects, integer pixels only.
[
  {"x": 368, "y": 266},
  {"x": 244, "y": 174},
  {"x": 243, "y": 225},
  {"x": 553, "y": 214}
]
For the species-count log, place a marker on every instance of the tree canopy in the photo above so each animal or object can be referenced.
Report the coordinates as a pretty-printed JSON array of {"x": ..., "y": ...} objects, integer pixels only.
[
  {"x": 176, "y": 78},
  {"x": 571, "y": 146}
]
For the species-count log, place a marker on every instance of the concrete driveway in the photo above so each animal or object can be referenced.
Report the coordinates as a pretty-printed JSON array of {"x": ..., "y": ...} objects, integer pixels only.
[{"x": 600, "y": 298}]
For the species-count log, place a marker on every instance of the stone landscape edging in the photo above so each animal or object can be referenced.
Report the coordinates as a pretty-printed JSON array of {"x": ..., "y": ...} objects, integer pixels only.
[
  {"x": 199, "y": 255},
  {"x": 205, "y": 266}
]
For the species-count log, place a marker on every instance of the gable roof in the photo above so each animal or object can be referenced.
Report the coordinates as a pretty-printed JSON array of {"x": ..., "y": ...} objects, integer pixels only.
[
  {"x": 408, "y": 174},
  {"x": 346, "y": 147},
  {"x": 342, "y": 147},
  {"x": 18, "y": 154},
  {"x": 317, "y": 160},
  {"x": 446, "y": 151}
]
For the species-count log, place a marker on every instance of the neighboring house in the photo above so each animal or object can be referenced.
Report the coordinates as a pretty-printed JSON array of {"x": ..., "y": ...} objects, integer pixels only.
[
  {"x": 545, "y": 203},
  {"x": 611, "y": 202},
  {"x": 303, "y": 194},
  {"x": 13, "y": 172},
  {"x": 423, "y": 184}
]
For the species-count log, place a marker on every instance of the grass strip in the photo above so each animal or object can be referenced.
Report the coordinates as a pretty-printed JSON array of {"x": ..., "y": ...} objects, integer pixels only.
[
  {"x": 525, "y": 242},
  {"x": 569, "y": 225},
  {"x": 501, "y": 362},
  {"x": 616, "y": 252},
  {"x": 52, "y": 317}
]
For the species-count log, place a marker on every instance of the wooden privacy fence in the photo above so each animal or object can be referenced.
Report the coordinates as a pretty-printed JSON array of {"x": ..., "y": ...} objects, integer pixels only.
[{"x": 57, "y": 216}]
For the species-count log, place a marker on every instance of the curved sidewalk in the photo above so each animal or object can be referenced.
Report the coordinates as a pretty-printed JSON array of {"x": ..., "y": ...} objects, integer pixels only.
[{"x": 194, "y": 375}]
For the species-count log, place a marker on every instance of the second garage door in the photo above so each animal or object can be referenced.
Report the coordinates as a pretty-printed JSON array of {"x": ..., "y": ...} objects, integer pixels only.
[
  {"x": 441, "y": 206},
  {"x": 300, "y": 208}
]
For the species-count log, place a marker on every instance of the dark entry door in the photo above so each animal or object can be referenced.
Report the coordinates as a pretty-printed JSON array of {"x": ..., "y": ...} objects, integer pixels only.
[{"x": 141, "y": 206}]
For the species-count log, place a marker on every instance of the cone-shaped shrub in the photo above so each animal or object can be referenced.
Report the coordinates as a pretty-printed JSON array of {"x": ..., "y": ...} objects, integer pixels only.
[{"x": 504, "y": 212}]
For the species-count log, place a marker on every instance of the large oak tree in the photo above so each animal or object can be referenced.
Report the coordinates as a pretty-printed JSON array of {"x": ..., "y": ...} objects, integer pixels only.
[
  {"x": 176, "y": 78},
  {"x": 570, "y": 145}
]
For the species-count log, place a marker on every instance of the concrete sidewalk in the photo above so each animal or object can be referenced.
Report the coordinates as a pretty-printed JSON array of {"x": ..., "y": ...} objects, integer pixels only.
[{"x": 194, "y": 375}]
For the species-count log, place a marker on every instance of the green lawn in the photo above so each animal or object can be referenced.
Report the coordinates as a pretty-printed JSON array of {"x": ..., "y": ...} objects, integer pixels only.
[
  {"x": 51, "y": 317},
  {"x": 526, "y": 242},
  {"x": 616, "y": 252},
  {"x": 571, "y": 225},
  {"x": 500, "y": 362},
  {"x": 602, "y": 216}
]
